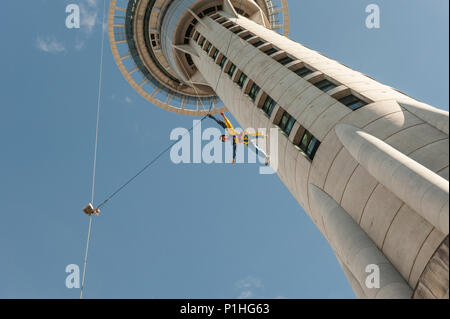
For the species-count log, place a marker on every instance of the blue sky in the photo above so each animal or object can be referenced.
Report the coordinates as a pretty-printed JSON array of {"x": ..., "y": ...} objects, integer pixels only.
[{"x": 179, "y": 231}]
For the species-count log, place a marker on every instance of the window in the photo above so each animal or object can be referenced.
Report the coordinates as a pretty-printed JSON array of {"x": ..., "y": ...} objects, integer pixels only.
[
  {"x": 241, "y": 80},
  {"x": 237, "y": 30},
  {"x": 309, "y": 144},
  {"x": 222, "y": 63},
  {"x": 271, "y": 51},
  {"x": 286, "y": 123},
  {"x": 254, "y": 91},
  {"x": 248, "y": 36},
  {"x": 231, "y": 70},
  {"x": 189, "y": 31},
  {"x": 325, "y": 85},
  {"x": 286, "y": 60},
  {"x": 202, "y": 42},
  {"x": 268, "y": 106},
  {"x": 189, "y": 59},
  {"x": 209, "y": 11},
  {"x": 352, "y": 102},
  {"x": 302, "y": 72},
  {"x": 197, "y": 35},
  {"x": 215, "y": 54},
  {"x": 208, "y": 48},
  {"x": 258, "y": 43},
  {"x": 230, "y": 25}
]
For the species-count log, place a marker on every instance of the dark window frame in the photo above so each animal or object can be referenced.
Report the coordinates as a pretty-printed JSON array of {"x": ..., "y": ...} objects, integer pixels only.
[
  {"x": 258, "y": 43},
  {"x": 271, "y": 51},
  {"x": 352, "y": 102},
  {"x": 254, "y": 91},
  {"x": 241, "y": 81},
  {"x": 325, "y": 85},
  {"x": 309, "y": 144},
  {"x": 215, "y": 54},
  {"x": 269, "y": 106},
  {"x": 231, "y": 70},
  {"x": 287, "y": 122},
  {"x": 303, "y": 72},
  {"x": 223, "y": 61},
  {"x": 286, "y": 60}
]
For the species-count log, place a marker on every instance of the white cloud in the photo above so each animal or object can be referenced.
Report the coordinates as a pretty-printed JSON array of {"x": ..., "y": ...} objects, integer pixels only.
[
  {"x": 248, "y": 287},
  {"x": 92, "y": 2},
  {"x": 245, "y": 294},
  {"x": 128, "y": 99},
  {"x": 89, "y": 14},
  {"x": 79, "y": 45},
  {"x": 50, "y": 45}
]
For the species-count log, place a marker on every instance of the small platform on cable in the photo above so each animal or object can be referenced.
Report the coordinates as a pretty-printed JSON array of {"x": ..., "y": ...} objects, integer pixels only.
[{"x": 89, "y": 210}]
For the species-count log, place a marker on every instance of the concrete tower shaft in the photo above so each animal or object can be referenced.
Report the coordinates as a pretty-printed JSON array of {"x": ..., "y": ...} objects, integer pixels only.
[{"x": 369, "y": 164}]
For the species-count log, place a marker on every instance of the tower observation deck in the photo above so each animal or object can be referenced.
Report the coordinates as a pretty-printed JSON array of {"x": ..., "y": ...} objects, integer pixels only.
[{"x": 369, "y": 164}]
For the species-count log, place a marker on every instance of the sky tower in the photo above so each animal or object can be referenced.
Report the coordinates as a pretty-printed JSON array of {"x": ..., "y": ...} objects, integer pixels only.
[{"x": 369, "y": 164}]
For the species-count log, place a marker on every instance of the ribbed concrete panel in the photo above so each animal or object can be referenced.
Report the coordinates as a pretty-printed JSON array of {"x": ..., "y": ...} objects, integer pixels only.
[
  {"x": 328, "y": 119},
  {"x": 287, "y": 101},
  {"x": 444, "y": 173},
  {"x": 392, "y": 124},
  {"x": 260, "y": 120},
  {"x": 340, "y": 172},
  {"x": 257, "y": 64},
  {"x": 287, "y": 85},
  {"x": 434, "y": 281},
  {"x": 315, "y": 109},
  {"x": 301, "y": 102},
  {"x": 359, "y": 292},
  {"x": 239, "y": 52},
  {"x": 433, "y": 156},
  {"x": 324, "y": 158},
  {"x": 435, "y": 117},
  {"x": 378, "y": 214},
  {"x": 302, "y": 170},
  {"x": 429, "y": 246},
  {"x": 290, "y": 160},
  {"x": 356, "y": 249},
  {"x": 267, "y": 72},
  {"x": 356, "y": 195},
  {"x": 381, "y": 94},
  {"x": 416, "y": 137},
  {"x": 417, "y": 186},
  {"x": 282, "y": 144},
  {"x": 404, "y": 239},
  {"x": 274, "y": 86},
  {"x": 371, "y": 113}
]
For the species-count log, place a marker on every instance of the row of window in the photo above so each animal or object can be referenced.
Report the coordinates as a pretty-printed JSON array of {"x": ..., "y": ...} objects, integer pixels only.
[
  {"x": 307, "y": 143},
  {"x": 303, "y": 139},
  {"x": 349, "y": 100}
]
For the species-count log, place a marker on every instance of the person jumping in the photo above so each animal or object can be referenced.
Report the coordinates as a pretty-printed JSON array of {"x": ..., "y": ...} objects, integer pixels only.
[{"x": 239, "y": 137}]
